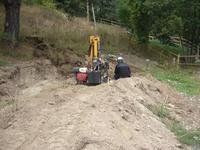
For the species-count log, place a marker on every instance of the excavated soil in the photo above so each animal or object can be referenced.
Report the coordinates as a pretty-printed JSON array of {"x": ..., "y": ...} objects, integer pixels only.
[
  {"x": 57, "y": 115},
  {"x": 51, "y": 113}
]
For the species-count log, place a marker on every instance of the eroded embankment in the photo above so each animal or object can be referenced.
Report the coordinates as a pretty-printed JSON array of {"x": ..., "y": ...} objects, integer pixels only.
[{"x": 15, "y": 78}]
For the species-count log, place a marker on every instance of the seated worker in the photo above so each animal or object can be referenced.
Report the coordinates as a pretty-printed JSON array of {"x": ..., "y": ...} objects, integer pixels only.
[{"x": 122, "y": 70}]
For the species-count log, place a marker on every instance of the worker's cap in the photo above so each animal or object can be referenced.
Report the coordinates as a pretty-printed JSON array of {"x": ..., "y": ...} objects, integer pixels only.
[
  {"x": 120, "y": 58},
  {"x": 95, "y": 60}
]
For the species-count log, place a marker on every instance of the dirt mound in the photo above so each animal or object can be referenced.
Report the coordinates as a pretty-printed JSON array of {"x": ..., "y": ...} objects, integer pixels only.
[
  {"x": 6, "y": 75},
  {"x": 61, "y": 115},
  {"x": 15, "y": 78},
  {"x": 181, "y": 108}
]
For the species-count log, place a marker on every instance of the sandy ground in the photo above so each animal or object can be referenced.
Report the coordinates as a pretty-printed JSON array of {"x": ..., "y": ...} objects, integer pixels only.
[{"x": 61, "y": 115}]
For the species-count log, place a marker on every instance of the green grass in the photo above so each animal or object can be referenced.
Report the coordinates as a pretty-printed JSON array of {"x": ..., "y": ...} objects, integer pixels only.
[
  {"x": 179, "y": 79},
  {"x": 188, "y": 137},
  {"x": 167, "y": 48}
]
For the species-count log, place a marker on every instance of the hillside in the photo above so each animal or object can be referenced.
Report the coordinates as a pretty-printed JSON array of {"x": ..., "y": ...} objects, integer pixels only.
[
  {"x": 53, "y": 30},
  {"x": 58, "y": 37},
  {"x": 41, "y": 106}
]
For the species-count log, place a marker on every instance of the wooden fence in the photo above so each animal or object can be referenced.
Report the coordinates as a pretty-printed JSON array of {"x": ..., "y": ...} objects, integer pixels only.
[
  {"x": 109, "y": 22},
  {"x": 191, "y": 60},
  {"x": 186, "y": 60},
  {"x": 184, "y": 43},
  {"x": 193, "y": 57},
  {"x": 181, "y": 60}
]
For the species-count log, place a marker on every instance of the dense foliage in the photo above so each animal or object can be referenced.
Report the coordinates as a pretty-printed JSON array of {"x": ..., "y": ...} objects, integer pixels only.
[
  {"x": 46, "y": 3},
  {"x": 73, "y": 7},
  {"x": 162, "y": 18},
  {"x": 103, "y": 8}
]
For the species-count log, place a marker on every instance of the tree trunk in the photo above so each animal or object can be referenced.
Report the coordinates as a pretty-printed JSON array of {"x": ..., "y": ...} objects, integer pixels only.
[{"x": 12, "y": 19}]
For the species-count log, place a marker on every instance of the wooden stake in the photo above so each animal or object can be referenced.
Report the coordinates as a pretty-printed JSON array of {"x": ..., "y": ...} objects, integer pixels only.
[
  {"x": 94, "y": 17},
  {"x": 88, "y": 11},
  {"x": 178, "y": 60}
]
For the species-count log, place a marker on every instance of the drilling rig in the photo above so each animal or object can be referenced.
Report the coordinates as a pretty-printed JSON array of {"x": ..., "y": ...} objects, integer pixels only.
[{"x": 96, "y": 70}]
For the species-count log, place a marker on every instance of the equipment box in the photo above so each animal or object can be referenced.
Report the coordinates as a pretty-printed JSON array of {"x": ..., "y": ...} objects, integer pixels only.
[{"x": 94, "y": 77}]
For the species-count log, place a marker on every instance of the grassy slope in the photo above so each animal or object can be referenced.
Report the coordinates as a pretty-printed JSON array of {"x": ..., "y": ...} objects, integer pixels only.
[
  {"x": 181, "y": 80},
  {"x": 188, "y": 137},
  {"x": 167, "y": 48},
  {"x": 57, "y": 29},
  {"x": 65, "y": 37}
]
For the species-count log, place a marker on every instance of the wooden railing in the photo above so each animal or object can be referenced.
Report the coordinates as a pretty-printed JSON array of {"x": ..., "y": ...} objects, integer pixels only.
[
  {"x": 184, "y": 43},
  {"x": 186, "y": 60},
  {"x": 192, "y": 60},
  {"x": 110, "y": 22}
]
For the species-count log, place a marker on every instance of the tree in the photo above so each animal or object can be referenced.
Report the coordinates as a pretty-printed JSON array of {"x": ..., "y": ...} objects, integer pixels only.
[
  {"x": 46, "y": 3},
  {"x": 12, "y": 19},
  {"x": 137, "y": 15},
  {"x": 73, "y": 7},
  {"x": 103, "y": 8},
  {"x": 124, "y": 12},
  {"x": 189, "y": 11},
  {"x": 162, "y": 18},
  {"x": 106, "y": 9},
  {"x": 141, "y": 19}
]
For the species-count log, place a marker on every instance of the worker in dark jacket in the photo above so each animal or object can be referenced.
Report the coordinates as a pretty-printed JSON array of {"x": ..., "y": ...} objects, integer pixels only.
[{"x": 122, "y": 70}]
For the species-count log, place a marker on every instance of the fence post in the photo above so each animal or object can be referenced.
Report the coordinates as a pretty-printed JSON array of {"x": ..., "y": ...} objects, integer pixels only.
[
  {"x": 198, "y": 52},
  {"x": 88, "y": 11},
  {"x": 174, "y": 61},
  {"x": 94, "y": 17},
  {"x": 178, "y": 60}
]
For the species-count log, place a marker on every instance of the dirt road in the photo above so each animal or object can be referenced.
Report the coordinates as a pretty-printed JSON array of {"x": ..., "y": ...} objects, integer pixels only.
[{"x": 63, "y": 116}]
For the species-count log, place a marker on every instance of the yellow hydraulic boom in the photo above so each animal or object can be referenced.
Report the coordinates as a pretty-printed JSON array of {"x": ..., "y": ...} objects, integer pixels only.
[{"x": 94, "y": 48}]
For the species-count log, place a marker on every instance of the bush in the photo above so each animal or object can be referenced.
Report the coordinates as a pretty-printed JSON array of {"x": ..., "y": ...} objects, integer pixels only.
[{"x": 46, "y": 3}]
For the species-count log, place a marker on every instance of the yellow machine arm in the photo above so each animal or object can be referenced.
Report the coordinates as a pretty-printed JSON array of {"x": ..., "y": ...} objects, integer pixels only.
[{"x": 94, "y": 48}]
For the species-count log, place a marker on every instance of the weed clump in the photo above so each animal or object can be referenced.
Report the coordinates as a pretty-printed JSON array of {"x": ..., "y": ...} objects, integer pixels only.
[
  {"x": 160, "y": 110},
  {"x": 189, "y": 137}
]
